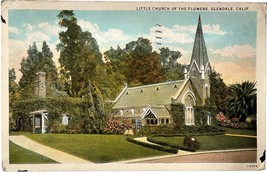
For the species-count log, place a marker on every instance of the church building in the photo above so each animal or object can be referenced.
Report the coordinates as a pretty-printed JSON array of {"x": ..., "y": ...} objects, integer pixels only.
[{"x": 150, "y": 104}]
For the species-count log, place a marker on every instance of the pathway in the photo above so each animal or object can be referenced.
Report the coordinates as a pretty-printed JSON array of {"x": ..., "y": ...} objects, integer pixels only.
[
  {"x": 54, "y": 154},
  {"x": 240, "y": 156}
]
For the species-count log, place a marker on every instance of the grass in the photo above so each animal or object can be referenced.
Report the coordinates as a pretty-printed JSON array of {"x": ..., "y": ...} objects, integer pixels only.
[
  {"x": 239, "y": 131},
  {"x": 19, "y": 155},
  {"x": 218, "y": 142},
  {"x": 16, "y": 133},
  {"x": 96, "y": 148}
]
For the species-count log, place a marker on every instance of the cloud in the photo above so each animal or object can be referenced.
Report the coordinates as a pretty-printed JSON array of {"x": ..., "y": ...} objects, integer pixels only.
[
  {"x": 17, "y": 50},
  {"x": 13, "y": 30},
  {"x": 235, "y": 72},
  {"x": 105, "y": 39},
  {"x": 88, "y": 26},
  {"x": 37, "y": 36},
  {"x": 239, "y": 51},
  {"x": 207, "y": 29},
  {"x": 213, "y": 29},
  {"x": 28, "y": 27}
]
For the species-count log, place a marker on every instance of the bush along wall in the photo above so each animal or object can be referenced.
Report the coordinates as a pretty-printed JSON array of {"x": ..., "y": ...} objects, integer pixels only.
[{"x": 77, "y": 108}]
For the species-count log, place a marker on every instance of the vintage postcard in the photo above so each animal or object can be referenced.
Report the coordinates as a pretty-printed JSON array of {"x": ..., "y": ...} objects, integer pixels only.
[{"x": 133, "y": 86}]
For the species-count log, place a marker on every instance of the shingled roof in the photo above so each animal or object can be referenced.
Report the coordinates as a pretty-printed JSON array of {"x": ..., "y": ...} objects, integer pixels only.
[{"x": 152, "y": 95}]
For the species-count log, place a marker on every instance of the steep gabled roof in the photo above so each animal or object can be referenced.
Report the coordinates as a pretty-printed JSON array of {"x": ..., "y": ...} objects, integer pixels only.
[
  {"x": 199, "y": 54},
  {"x": 152, "y": 95}
]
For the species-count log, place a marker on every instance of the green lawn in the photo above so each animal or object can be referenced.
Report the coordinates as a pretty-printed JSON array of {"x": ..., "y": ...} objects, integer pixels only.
[
  {"x": 239, "y": 131},
  {"x": 96, "y": 148},
  {"x": 218, "y": 142},
  {"x": 19, "y": 155}
]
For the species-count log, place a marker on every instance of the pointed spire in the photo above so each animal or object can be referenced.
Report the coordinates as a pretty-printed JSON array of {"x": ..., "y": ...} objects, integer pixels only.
[
  {"x": 199, "y": 19},
  {"x": 199, "y": 53}
]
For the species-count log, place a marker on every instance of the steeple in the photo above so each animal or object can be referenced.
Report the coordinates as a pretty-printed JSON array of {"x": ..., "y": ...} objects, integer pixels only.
[
  {"x": 199, "y": 53},
  {"x": 200, "y": 68}
]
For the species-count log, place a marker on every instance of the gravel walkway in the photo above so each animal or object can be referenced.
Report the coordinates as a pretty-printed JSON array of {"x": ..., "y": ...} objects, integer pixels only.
[{"x": 54, "y": 154}]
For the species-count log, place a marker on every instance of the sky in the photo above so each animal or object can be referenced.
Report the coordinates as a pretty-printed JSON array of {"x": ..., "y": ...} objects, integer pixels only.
[{"x": 230, "y": 37}]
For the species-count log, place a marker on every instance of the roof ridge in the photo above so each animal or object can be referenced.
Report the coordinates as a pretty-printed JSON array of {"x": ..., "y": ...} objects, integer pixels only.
[{"x": 156, "y": 84}]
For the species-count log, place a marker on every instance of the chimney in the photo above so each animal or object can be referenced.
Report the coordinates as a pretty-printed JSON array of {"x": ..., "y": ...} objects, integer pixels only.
[{"x": 40, "y": 85}]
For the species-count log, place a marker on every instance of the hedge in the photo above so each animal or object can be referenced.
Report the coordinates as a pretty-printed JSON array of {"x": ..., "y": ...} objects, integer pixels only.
[
  {"x": 172, "y": 129},
  {"x": 151, "y": 139},
  {"x": 156, "y": 147}
]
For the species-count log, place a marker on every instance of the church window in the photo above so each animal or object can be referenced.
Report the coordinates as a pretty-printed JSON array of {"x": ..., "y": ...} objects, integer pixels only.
[
  {"x": 147, "y": 121},
  {"x": 141, "y": 91},
  {"x": 175, "y": 86},
  {"x": 189, "y": 110},
  {"x": 162, "y": 120},
  {"x": 209, "y": 118},
  {"x": 156, "y": 121},
  {"x": 167, "y": 120},
  {"x": 127, "y": 93},
  {"x": 157, "y": 88}
]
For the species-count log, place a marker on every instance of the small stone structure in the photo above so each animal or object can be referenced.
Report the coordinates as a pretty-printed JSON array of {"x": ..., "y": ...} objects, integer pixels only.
[{"x": 40, "y": 85}]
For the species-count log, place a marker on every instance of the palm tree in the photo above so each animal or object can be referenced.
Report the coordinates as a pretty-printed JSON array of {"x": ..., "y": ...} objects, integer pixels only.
[{"x": 244, "y": 103}]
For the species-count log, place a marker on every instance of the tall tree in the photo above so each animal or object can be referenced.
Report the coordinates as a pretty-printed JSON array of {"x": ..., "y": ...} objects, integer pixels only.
[
  {"x": 37, "y": 61},
  {"x": 168, "y": 58},
  {"x": 244, "y": 103},
  {"x": 220, "y": 93},
  {"x": 79, "y": 55},
  {"x": 144, "y": 64}
]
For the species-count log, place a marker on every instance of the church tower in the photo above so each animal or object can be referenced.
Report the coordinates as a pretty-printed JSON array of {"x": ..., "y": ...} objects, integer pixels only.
[{"x": 199, "y": 68}]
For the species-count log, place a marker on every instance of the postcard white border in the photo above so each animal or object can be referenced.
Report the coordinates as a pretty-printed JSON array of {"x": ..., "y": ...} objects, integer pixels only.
[{"x": 84, "y": 5}]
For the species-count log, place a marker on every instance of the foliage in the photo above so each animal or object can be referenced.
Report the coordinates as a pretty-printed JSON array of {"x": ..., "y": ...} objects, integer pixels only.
[
  {"x": 177, "y": 114},
  {"x": 19, "y": 155},
  {"x": 244, "y": 103},
  {"x": 74, "y": 107},
  {"x": 159, "y": 129},
  {"x": 153, "y": 146},
  {"x": 57, "y": 127},
  {"x": 220, "y": 93},
  {"x": 80, "y": 56},
  {"x": 168, "y": 59},
  {"x": 37, "y": 61},
  {"x": 172, "y": 129},
  {"x": 96, "y": 148},
  {"x": 191, "y": 143},
  {"x": 117, "y": 125},
  {"x": 144, "y": 63},
  {"x": 234, "y": 122}
]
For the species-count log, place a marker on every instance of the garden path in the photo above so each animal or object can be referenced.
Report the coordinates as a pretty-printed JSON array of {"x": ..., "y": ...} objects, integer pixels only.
[{"x": 54, "y": 154}]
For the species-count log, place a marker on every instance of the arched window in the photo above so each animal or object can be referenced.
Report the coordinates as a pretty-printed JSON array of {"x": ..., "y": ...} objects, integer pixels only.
[{"x": 189, "y": 110}]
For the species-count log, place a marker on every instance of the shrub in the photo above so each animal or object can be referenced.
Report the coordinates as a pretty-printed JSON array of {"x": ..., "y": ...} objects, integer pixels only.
[
  {"x": 153, "y": 146},
  {"x": 58, "y": 127},
  {"x": 117, "y": 125},
  {"x": 172, "y": 129},
  {"x": 191, "y": 143},
  {"x": 156, "y": 141}
]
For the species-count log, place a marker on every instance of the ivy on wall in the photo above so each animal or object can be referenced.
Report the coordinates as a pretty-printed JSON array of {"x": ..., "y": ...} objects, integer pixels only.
[{"x": 77, "y": 108}]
